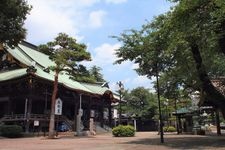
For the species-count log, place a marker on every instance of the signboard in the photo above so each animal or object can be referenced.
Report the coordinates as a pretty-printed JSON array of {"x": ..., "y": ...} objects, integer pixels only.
[
  {"x": 115, "y": 113},
  {"x": 92, "y": 115},
  {"x": 36, "y": 123},
  {"x": 58, "y": 107}
]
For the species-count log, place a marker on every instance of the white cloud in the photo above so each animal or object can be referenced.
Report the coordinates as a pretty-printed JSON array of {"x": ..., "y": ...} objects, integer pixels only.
[
  {"x": 105, "y": 54},
  {"x": 85, "y": 2},
  {"x": 134, "y": 81},
  {"x": 142, "y": 81},
  {"x": 48, "y": 18},
  {"x": 95, "y": 18},
  {"x": 116, "y": 1}
]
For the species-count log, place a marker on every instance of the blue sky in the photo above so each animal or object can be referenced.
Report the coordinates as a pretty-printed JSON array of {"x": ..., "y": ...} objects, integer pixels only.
[{"x": 93, "y": 22}]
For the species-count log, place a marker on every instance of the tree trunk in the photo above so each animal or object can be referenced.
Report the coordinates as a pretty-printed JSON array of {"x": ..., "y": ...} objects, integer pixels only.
[
  {"x": 218, "y": 128},
  {"x": 1, "y": 46},
  {"x": 212, "y": 95},
  {"x": 51, "y": 131}
]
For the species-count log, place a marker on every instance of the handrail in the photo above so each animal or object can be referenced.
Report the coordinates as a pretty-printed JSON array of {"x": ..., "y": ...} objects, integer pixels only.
[{"x": 14, "y": 117}]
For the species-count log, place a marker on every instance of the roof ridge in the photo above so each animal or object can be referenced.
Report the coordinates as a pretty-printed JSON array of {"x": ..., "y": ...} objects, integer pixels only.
[
  {"x": 29, "y": 57},
  {"x": 34, "y": 48},
  {"x": 28, "y": 44}
]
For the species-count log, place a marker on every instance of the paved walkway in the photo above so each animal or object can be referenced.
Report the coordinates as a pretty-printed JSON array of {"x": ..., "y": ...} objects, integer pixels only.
[{"x": 142, "y": 141}]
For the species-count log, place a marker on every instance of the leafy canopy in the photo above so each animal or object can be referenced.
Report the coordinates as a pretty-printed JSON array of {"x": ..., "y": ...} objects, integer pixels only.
[
  {"x": 141, "y": 103},
  {"x": 165, "y": 44},
  {"x": 95, "y": 72},
  {"x": 66, "y": 53},
  {"x": 12, "y": 16}
]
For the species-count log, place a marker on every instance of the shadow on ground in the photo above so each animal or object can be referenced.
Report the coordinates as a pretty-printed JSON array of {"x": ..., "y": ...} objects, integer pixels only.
[{"x": 198, "y": 142}]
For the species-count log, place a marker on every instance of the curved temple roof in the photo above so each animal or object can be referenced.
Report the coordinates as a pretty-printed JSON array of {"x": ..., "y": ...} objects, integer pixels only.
[{"x": 27, "y": 54}]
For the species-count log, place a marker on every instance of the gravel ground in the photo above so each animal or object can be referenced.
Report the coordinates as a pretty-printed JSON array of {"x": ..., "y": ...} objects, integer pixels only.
[{"x": 142, "y": 141}]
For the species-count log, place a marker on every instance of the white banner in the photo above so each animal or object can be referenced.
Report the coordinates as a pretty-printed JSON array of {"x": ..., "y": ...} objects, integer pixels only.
[{"x": 58, "y": 106}]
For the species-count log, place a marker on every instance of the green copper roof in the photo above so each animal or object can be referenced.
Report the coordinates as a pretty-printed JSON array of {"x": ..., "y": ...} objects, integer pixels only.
[
  {"x": 27, "y": 55},
  {"x": 19, "y": 55},
  {"x": 36, "y": 56},
  {"x": 97, "y": 89},
  {"x": 4, "y": 76},
  {"x": 63, "y": 79}
]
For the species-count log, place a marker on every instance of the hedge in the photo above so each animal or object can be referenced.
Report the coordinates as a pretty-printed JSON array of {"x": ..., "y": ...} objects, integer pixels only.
[
  {"x": 123, "y": 131},
  {"x": 169, "y": 129},
  {"x": 11, "y": 131}
]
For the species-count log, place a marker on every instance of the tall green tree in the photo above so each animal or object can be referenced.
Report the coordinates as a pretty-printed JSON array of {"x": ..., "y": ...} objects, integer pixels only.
[
  {"x": 186, "y": 42},
  {"x": 82, "y": 74},
  {"x": 141, "y": 103},
  {"x": 12, "y": 16},
  {"x": 66, "y": 53},
  {"x": 95, "y": 71}
]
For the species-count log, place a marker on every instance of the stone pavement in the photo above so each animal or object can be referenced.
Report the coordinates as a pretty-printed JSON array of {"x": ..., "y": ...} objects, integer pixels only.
[{"x": 142, "y": 141}]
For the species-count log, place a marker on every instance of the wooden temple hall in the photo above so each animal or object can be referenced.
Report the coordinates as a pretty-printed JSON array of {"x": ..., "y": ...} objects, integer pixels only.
[{"x": 26, "y": 87}]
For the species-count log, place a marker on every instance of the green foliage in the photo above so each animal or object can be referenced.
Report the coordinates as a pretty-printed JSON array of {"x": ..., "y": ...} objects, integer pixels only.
[
  {"x": 183, "y": 45},
  {"x": 141, "y": 103},
  {"x": 169, "y": 129},
  {"x": 123, "y": 131},
  {"x": 95, "y": 73},
  {"x": 65, "y": 52},
  {"x": 13, "y": 14},
  {"x": 82, "y": 75},
  {"x": 92, "y": 75},
  {"x": 11, "y": 131}
]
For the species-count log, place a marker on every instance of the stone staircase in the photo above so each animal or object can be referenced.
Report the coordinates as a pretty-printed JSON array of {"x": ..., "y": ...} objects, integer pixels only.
[
  {"x": 43, "y": 117},
  {"x": 69, "y": 123},
  {"x": 104, "y": 129}
]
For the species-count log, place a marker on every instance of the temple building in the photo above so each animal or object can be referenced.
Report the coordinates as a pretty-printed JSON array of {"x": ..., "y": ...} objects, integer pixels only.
[{"x": 26, "y": 86}]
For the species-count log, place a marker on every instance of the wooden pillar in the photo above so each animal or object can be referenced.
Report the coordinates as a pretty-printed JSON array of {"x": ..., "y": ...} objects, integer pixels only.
[
  {"x": 27, "y": 122},
  {"x": 29, "y": 109},
  {"x": 110, "y": 114},
  {"x": 213, "y": 116},
  {"x": 89, "y": 113},
  {"x": 75, "y": 115},
  {"x": 9, "y": 108},
  {"x": 75, "y": 111},
  {"x": 29, "y": 106},
  {"x": 218, "y": 122},
  {"x": 101, "y": 111},
  {"x": 46, "y": 100}
]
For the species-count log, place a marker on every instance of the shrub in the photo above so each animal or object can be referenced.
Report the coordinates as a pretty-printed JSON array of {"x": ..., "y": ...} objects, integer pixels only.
[
  {"x": 169, "y": 129},
  {"x": 123, "y": 131},
  {"x": 11, "y": 131}
]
